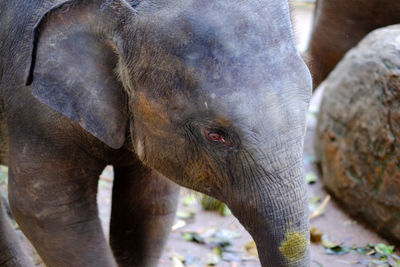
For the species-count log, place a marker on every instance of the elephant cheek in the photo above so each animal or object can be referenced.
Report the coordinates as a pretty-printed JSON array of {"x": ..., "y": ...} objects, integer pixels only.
[{"x": 151, "y": 115}]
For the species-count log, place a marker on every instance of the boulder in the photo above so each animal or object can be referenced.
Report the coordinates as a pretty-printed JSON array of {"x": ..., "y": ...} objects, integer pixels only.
[{"x": 358, "y": 131}]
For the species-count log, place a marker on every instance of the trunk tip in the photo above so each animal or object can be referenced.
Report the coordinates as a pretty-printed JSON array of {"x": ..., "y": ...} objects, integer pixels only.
[{"x": 294, "y": 246}]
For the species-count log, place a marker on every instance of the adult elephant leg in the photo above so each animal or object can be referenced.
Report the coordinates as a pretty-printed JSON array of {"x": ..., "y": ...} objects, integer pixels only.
[
  {"x": 339, "y": 25},
  {"x": 11, "y": 253},
  {"x": 143, "y": 209},
  {"x": 52, "y": 191}
]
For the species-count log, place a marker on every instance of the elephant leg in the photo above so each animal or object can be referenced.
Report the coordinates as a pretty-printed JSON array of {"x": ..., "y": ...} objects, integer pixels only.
[
  {"x": 11, "y": 253},
  {"x": 143, "y": 209},
  {"x": 52, "y": 191}
]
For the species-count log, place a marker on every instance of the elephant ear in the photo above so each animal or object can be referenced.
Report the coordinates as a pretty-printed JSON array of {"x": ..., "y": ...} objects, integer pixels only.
[{"x": 72, "y": 71}]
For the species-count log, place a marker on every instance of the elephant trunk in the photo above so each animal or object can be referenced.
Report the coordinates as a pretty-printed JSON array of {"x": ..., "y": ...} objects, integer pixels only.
[{"x": 276, "y": 211}]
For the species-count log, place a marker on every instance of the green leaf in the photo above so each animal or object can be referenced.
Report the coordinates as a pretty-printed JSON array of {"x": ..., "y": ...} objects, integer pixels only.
[
  {"x": 189, "y": 199},
  {"x": 209, "y": 203},
  {"x": 311, "y": 178},
  {"x": 338, "y": 250},
  {"x": 383, "y": 249},
  {"x": 329, "y": 244},
  {"x": 225, "y": 211},
  {"x": 185, "y": 214},
  {"x": 214, "y": 257},
  {"x": 333, "y": 248},
  {"x": 193, "y": 237},
  {"x": 383, "y": 254}
]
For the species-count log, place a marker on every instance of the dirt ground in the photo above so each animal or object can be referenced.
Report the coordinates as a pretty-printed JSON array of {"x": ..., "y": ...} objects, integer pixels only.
[{"x": 212, "y": 230}]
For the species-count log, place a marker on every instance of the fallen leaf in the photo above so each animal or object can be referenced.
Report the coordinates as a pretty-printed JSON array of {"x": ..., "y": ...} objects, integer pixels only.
[
  {"x": 190, "y": 199},
  {"x": 383, "y": 253},
  {"x": 209, "y": 203},
  {"x": 383, "y": 249},
  {"x": 251, "y": 248},
  {"x": 177, "y": 260},
  {"x": 225, "y": 211},
  {"x": 214, "y": 257},
  {"x": 311, "y": 178},
  {"x": 315, "y": 235},
  {"x": 193, "y": 237},
  {"x": 327, "y": 243},
  {"x": 186, "y": 214},
  {"x": 178, "y": 224},
  {"x": 338, "y": 250}
]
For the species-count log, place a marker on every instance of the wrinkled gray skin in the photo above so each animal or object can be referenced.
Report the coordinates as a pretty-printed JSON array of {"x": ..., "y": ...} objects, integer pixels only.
[{"x": 210, "y": 94}]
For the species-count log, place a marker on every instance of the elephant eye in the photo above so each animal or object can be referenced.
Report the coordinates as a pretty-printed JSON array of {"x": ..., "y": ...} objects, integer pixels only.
[{"x": 215, "y": 136}]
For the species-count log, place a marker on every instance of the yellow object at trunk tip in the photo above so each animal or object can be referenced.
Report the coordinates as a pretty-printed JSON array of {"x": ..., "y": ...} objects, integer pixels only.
[{"x": 294, "y": 246}]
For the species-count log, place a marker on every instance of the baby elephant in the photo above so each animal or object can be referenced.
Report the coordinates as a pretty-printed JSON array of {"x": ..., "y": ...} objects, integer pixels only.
[{"x": 207, "y": 94}]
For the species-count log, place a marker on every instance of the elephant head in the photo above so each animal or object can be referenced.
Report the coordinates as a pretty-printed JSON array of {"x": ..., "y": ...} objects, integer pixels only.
[{"x": 211, "y": 94}]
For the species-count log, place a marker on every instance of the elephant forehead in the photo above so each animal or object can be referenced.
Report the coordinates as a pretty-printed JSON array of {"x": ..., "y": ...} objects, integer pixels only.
[
  {"x": 223, "y": 121},
  {"x": 197, "y": 29}
]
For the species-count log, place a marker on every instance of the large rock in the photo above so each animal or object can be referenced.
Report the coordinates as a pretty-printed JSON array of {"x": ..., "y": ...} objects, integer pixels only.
[{"x": 358, "y": 131}]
